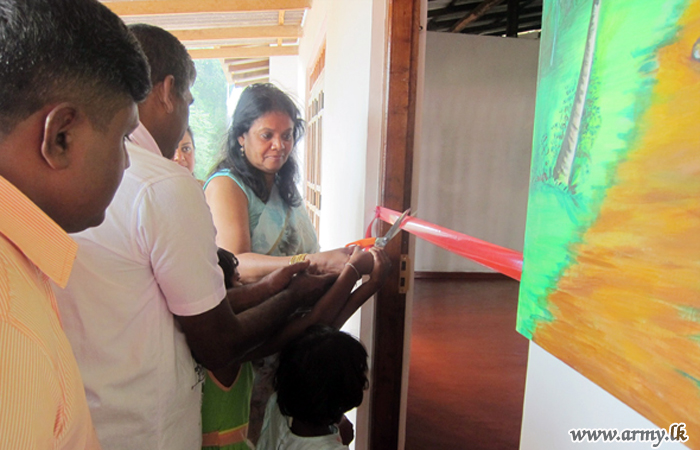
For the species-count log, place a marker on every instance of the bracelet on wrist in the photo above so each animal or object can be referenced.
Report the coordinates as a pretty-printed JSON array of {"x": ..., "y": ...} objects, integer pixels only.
[
  {"x": 297, "y": 258},
  {"x": 355, "y": 269}
]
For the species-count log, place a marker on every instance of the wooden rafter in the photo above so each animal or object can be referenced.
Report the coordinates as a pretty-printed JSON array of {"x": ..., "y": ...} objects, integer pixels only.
[
  {"x": 502, "y": 28},
  {"x": 225, "y": 68},
  {"x": 243, "y": 52},
  {"x": 243, "y": 65},
  {"x": 149, "y": 7},
  {"x": 211, "y": 34},
  {"x": 245, "y": 76},
  {"x": 477, "y": 12},
  {"x": 450, "y": 8},
  {"x": 493, "y": 16},
  {"x": 281, "y": 23},
  {"x": 513, "y": 17},
  {"x": 445, "y": 16}
]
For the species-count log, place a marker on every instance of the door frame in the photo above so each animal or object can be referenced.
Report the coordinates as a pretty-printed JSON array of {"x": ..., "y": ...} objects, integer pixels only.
[{"x": 396, "y": 172}]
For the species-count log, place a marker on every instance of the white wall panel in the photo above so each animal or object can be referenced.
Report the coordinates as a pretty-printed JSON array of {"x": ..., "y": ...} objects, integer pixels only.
[{"x": 474, "y": 155}]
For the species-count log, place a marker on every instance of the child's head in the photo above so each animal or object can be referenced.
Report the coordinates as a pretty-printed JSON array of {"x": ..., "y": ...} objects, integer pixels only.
[
  {"x": 321, "y": 375},
  {"x": 229, "y": 265}
]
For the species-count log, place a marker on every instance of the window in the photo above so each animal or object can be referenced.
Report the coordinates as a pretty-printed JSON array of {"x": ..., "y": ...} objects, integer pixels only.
[{"x": 314, "y": 121}]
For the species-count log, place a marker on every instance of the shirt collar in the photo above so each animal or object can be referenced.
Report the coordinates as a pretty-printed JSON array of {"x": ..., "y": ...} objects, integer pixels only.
[
  {"x": 143, "y": 138},
  {"x": 35, "y": 234}
]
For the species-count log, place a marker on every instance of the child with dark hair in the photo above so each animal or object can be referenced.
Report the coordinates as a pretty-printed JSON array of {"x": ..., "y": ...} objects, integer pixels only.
[
  {"x": 321, "y": 375},
  {"x": 229, "y": 265}
]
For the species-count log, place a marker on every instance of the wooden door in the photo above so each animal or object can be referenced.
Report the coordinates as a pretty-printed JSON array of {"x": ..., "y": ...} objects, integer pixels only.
[{"x": 403, "y": 26}]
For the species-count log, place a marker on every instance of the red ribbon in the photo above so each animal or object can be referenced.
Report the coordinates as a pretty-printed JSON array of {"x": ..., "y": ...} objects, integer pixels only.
[{"x": 501, "y": 259}]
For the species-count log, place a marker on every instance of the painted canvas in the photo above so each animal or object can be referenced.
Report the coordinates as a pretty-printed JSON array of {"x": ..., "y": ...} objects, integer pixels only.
[{"x": 611, "y": 279}]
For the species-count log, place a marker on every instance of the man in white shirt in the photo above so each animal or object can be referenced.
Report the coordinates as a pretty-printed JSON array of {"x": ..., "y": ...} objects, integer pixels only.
[{"x": 147, "y": 293}]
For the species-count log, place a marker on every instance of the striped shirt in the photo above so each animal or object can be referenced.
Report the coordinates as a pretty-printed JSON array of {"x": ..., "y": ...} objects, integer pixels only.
[{"x": 42, "y": 401}]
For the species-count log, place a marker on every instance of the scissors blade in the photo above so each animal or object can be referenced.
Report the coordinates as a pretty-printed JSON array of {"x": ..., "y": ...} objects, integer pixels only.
[{"x": 393, "y": 231}]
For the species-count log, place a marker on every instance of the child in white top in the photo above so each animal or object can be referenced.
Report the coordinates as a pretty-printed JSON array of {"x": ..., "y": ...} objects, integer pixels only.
[{"x": 321, "y": 375}]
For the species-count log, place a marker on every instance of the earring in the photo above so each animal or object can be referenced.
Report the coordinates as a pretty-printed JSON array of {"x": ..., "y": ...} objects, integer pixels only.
[{"x": 242, "y": 151}]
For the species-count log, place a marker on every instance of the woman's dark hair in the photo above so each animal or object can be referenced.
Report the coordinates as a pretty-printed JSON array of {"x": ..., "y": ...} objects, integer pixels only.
[
  {"x": 256, "y": 101},
  {"x": 189, "y": 131},
  {"x": 228, "y": 263},
  {"x": 321, "y": 375}
]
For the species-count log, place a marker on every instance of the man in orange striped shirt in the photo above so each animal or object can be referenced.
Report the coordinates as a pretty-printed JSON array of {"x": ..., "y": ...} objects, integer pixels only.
[{"x": 70, "y": 77}]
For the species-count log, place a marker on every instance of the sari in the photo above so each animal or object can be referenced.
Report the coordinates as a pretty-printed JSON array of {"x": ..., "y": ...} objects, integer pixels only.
[{"x": 276, "y": 229}]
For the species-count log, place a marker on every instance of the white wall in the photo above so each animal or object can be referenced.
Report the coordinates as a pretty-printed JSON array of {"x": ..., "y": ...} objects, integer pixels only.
[
  {"x": 557, "y": 399},
  {"x": 347, "y": 28},
  {"x": 348, "y": 49},
  {"x": 352, "y": 132},
  {"x": 347, "y": 31},
  {"x": 474, "y": 153},
  {"x": 284, "y": 72}
]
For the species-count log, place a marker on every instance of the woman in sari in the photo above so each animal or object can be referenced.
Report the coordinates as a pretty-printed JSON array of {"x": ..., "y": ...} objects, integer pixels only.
[
  {"x": 259, "y": 216},
  {"x": 257, "y": 209}
]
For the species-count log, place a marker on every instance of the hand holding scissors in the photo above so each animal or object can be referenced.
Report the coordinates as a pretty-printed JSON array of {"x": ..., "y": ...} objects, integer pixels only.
[{"x": 381, "y": 242}]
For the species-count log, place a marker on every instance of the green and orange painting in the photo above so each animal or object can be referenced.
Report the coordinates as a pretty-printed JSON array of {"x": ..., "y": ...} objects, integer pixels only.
[{"x": 611, "y": 275}]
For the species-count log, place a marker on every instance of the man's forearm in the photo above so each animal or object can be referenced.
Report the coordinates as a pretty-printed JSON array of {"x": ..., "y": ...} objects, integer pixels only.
[
  {"x": 248, "y": 296},
  {"x": 325, "y": 311},
  {"x": 260, "y": 322},
  {"x": 219, "y": 338}
]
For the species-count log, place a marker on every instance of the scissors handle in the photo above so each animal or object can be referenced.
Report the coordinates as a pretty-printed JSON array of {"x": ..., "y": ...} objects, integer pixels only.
[{"x": 363, "y": 243}]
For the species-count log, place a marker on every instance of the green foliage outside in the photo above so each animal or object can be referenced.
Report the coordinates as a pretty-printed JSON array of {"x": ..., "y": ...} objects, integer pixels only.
[{"x": 208, "y": 115}]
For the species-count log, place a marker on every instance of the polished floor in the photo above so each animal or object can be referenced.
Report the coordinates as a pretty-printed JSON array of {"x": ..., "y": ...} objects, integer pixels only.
[{"x": 467, "y": 367}]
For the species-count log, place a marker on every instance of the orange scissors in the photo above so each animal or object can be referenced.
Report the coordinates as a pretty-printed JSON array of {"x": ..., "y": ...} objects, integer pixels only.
[{"x": 382, "y": 241}]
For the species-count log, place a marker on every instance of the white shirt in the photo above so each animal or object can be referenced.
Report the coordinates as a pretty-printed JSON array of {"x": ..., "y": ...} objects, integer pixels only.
[
  {"x": 276, "y": 434},
  {"x": 153, "y": 257}
]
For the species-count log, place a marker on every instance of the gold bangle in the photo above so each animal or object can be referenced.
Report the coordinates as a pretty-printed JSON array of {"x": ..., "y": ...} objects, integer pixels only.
[
  {"x": 355, "y": 269},
  {"x": 297, "y": 258}
]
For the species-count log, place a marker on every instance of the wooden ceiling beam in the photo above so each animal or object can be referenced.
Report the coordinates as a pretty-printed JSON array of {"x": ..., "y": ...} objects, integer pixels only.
[
  {"x": 513, "y": 17},
  {"x": 281, "y": 22},
  {"x": 500, "y": 31},
  {"x": 224, "y": 66},
  {"x": 245, "y": 76},
  {"x": 150, "y": 7},
  {"x": 245, "y": 66},
  {"x": 452, "y": 9},
  {"x": 211, "y": 34},
  {"x": 494, "y": 14},
  {"x": 475, "y": 14},
  {"x": 243, "y": 52},
  {"x": 487, "y": 21},
  {"x": 238, "y": 61}
]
